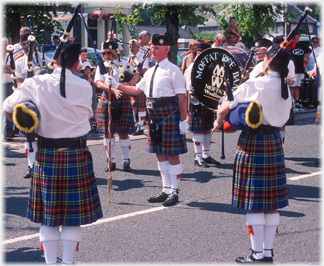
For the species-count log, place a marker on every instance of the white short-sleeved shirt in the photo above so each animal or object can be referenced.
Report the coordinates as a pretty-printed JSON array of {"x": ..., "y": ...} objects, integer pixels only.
[
  {"x": 137, "y": 58},
  {"x": 60, "y": 117},
  {"x": 168, "y": 80},
  {"x": 22, "y": 63},
  {"x": 187, "y": 76},
  {"x": 6, "y": 77},
  {"x": 266, "y": 91},
  {"x": 115, "y": 73}
]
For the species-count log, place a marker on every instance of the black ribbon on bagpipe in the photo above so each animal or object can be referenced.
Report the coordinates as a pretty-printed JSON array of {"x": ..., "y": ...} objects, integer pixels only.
[
  {"x": 14, "y": 77},
  {"x": 141, "y": 63},
  {"x": 32, "y": 33}
]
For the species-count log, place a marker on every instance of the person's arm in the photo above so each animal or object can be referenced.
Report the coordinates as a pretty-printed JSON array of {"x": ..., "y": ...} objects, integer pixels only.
[
  {"x": 7, "y": 115},
  {"x": 222, "y": 112},
  {"x": 182, "y": 101},
  {"x": 130, "y": 90}
]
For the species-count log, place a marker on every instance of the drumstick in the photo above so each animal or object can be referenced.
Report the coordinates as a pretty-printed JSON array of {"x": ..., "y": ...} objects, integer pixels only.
[{"x": 223, "y": 144}]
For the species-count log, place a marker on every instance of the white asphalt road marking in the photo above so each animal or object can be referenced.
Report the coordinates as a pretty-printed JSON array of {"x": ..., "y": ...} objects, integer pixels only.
[
  {"x": 304, "y": 176},
  {"x": 101, "y": 221}
]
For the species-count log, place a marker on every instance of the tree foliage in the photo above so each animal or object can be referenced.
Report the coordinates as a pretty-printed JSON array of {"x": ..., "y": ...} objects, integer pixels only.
[
  {"x": 174, "y": 15},
  {"x": 15, "y": 17},
  {"x": 254, "y": 20}
]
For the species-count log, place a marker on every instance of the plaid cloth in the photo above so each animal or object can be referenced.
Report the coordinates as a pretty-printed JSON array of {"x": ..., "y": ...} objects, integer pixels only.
[
  {"x": 259, "y": 178},
  {"x": 123, "y": 125},
  {"x": 318, "y": 115},
  {"x": 63, "y": 189},
  {"x": 173, "y": 143},
  {"x": 202, "y": 121},
  {"x": 138, "y": 101}
]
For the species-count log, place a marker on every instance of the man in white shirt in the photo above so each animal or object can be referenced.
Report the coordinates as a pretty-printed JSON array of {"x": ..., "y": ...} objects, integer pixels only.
[
  {"x": 164, "y": 87},
  {"x": 62, "y": 175}
]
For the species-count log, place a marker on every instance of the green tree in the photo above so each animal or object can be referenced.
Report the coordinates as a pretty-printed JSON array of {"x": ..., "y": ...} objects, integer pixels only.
[
  {"x": 254, "y": 20},
  {"x": 175, "y": 15},
  {"x": 16, "y": 16}
]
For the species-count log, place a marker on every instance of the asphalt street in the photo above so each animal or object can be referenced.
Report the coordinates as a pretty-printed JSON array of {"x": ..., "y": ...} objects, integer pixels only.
[{"x": 203, "y": 228}]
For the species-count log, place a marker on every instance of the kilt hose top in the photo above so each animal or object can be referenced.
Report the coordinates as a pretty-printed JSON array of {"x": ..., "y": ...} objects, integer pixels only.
[
  {"x": 259, "y": 173},
  {"x": 63, "y": 189},
  {"x": 125, "y": 124},
  {"x": 173, "y": 143}
]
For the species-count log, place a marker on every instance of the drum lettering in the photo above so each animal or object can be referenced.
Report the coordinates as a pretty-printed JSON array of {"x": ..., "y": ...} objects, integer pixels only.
[
  {"x": 236, "y": 77},
  {"x": 199, "y": 75},
  {"x": 217, "y": 81},
  {"x": 201, "y": 66},
  {"x": 231, "y": 65}
]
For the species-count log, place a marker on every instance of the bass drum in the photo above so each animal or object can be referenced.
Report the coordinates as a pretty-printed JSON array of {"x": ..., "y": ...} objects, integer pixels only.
[{"x": 208, "y": 73}]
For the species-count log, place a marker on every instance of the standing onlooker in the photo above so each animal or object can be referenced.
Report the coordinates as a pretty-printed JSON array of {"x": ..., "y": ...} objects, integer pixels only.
[
  {"x": 218, "y": 41},
  {"x": 8, "y": 83},
  {"x": 189, "y": 58},
  {"x": 232, "y": 40},
  {"x": 18, "y": 46},
  {"x": 232, "y": 29},
  {"x": 83, "y": 58},
  {"x": 314, "y": 54},
  {"x": 299, "y": 55}
]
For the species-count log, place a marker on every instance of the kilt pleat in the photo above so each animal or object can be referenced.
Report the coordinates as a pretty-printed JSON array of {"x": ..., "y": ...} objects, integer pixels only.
[
  {"x": 202, "y": 121},
  {"x": 259, "y": 173},
  {"x": 138, "y": 101},
  {"x": 63, "y": 189},
  {"x": 125, "y": 124},
  {"x": 173, "y": 143}
]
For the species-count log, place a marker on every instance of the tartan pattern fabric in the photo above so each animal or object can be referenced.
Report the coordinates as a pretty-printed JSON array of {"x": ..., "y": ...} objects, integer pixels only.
[
  {"x": 123, "y": 125},
  {"x": 139, "y": 101},
  {"x": 63, "y": 189},
  {"x": 202, "y": 121},
  {"x": 259, "y": 173},
  {"x": 173, "y": 143},
  {"x": 318, "y": 115}
]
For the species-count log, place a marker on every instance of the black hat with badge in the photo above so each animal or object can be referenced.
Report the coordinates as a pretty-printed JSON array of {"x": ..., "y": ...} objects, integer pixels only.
[
  {"x": 161, "y": 40},
  {"x": 263, "y": 43},
  {"x": 69, "y": 53},
  {"x": 111, "y": 45}
]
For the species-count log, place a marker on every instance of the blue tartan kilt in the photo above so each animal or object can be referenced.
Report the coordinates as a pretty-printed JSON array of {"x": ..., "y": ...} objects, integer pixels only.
[
  {"x": 173, "y": 143},
  {"x": 259, "y": 173},
  {"x": 201, "y": 122},
  {"x": 63, "y": 189},
  {"x": 139, "y": 101},
  {"x": 125, "y": 124}
]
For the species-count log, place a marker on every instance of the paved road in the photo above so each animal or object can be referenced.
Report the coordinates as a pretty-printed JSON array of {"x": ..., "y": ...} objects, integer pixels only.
[{"x": 202, "y": 228}]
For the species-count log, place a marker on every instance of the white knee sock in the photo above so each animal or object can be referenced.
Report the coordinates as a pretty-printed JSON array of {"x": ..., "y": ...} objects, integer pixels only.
[
  {"x": 198, "y": 140},
  {"x": 283, "y": 135},
  {"x": 125, "y": 147},
  {"x": 206, "y": 145},
  {"x": 50, "y": 237},
  {"x": 70, "y": 236},
  {"x": 112, "y": 150},
  {"x": 31, "y": 155},
  {"x": 141, "y": 119},
  {"x": 270, "y": 228},
  {"x": 166, "y": 181},
  {"x": 255, "y": 222},
  {"x": 175, "y": 172}
]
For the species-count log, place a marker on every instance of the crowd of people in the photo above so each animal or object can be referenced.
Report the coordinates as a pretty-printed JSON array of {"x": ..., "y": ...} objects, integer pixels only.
[{"x": 159, "y": 93}]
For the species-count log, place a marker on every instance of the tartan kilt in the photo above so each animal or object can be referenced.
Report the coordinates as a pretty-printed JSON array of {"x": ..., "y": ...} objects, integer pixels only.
[
  {"x": 33, "y": 134},
  {"x": 201, "y": 122},
  {"x": 173, "y": 143},
  {"x": 139, "y": 101},
  {"x": 318, "y": 115},
  {"x": 125, "y": 124},
  {"x": 63, "y": 189},
  {"x": 259, "y": 173}
]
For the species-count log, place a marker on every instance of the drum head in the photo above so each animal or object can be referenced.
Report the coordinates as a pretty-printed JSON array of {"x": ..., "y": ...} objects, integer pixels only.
[{"x": 208, "y": 75}]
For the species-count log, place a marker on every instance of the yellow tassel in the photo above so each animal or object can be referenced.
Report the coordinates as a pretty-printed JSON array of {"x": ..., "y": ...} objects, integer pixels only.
[
  {"x": 248, "y": 110},
  {"x": 28, "y": 111}
]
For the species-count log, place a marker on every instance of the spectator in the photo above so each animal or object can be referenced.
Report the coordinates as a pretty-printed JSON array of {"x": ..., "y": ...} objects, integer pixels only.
[
  {"x": 189, "y": 58},
  {"x": 83, "y": 58},
  {"x": 219, "y": 40},
  {"x": 232, "y": 29},
  {"x": 232, "y": 40}
]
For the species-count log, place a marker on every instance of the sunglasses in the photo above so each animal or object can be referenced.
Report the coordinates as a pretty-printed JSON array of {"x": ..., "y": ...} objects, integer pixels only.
[
  {"x": 108, "y": 53},
  {"x": 232, "y": 37},
  {"x": 314, "y": 42}
]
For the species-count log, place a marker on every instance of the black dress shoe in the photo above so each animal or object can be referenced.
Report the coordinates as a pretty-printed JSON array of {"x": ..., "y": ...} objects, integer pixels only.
[
  {"x": 250, "y": 259},
  {"x": 267, "y": 259},
  {"x": 126, "y": 166},
  {"x": 211, "y": 160},
  {"x": 201, "y": 163},
  {"x": 112, "y": 167},
  {"x": 171, "y": 200},
  {"x": 159, "y": 198},
  {"x": 138, "y": 132},
  {"x": 28, "y": 173}
]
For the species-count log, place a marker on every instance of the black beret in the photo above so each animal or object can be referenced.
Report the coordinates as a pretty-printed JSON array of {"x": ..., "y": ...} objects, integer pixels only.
[
  {"x": 263, "y": 43},
  {"x": 282, "y": 58},
  {"x": 278, "y": 39},
  {"x": 109, "y": 45},
  {"x": 24, "y": 36},
  {"x": 159, "y": 39},
  {"x": 202, "y": 46},
  {"x": 72, "y": 50}
]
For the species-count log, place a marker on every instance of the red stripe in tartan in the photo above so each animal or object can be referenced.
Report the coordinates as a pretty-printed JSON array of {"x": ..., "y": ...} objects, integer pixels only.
[{"x": 139, "y": 100}]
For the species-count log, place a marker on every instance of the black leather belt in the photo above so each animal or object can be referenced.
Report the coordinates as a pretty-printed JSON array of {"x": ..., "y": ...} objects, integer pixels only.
[
  {"x": 160, "y": 103},
  {"x": 265, "y": 129},
  {"x": 79, "y": 142}
]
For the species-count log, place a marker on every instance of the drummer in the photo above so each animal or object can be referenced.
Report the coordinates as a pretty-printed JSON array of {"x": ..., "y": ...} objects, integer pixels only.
[{"x": 200, "y": 121}]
